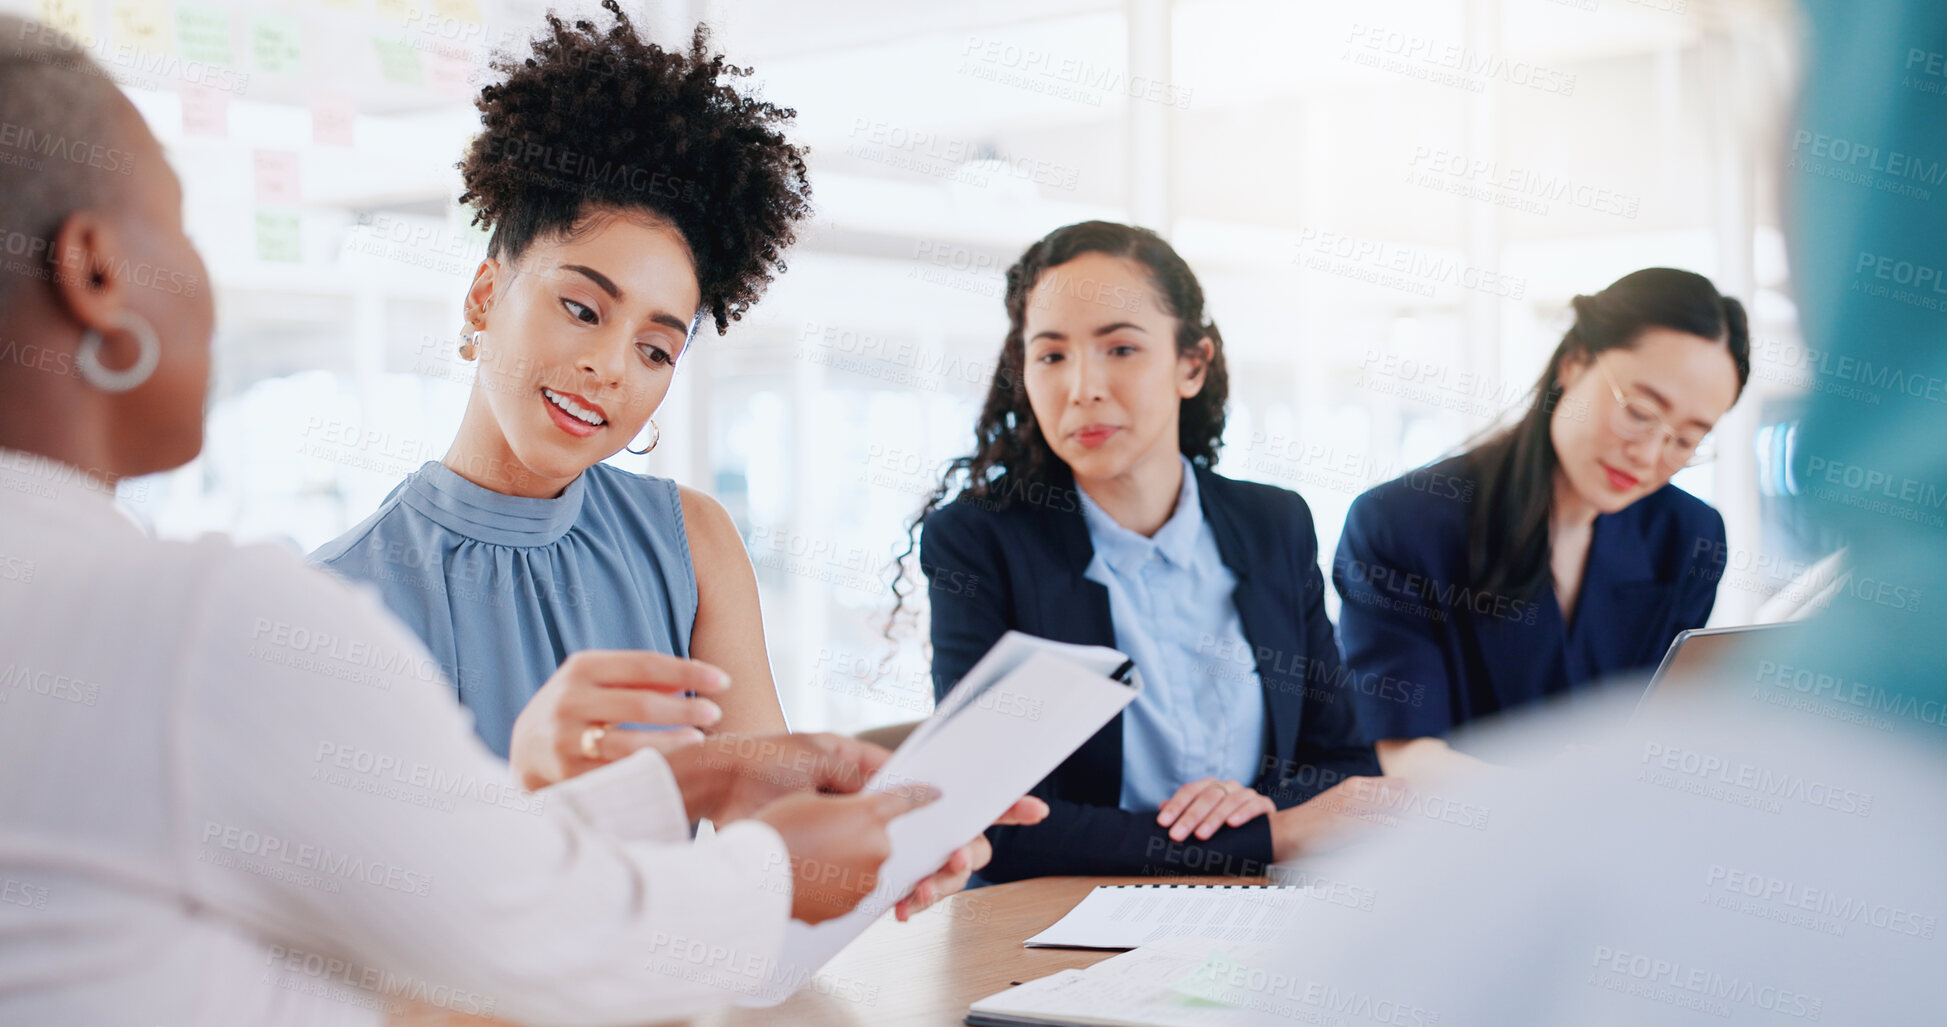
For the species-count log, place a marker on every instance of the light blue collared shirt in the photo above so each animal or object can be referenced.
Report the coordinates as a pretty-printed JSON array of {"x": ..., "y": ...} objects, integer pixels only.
[{"x": 1170, "y": 599}]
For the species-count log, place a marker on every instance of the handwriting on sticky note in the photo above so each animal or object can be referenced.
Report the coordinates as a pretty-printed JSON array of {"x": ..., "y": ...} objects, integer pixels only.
[
  {"x": 332, "y": 116},
  {"x": 203, "y": 34},
  {"x": 277, "y": 177},
  {"x": 206, "y": 111},
  {"x": 74, "y": 17},
  {"x": 142, "y": 24},
  {"x": 451, "y": 74},
  {"x": 276, "y": 44}
]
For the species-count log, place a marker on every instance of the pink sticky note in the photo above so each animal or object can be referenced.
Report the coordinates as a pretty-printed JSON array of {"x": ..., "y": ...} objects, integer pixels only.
[
  {"x": 277, "y": 177},
  {"x": 206, "y": 111},
  {"x": 332, "y": 115},
  {"x": 451, "y": 75}
]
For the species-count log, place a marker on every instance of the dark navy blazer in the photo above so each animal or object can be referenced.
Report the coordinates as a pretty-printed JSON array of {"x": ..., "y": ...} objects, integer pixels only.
[
  {"x": 1430, "y": 654},
  {"x": 1020, "y": 567}
]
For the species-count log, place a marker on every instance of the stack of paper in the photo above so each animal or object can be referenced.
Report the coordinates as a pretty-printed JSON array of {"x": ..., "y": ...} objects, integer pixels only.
[{"x": 1126, "y": 916}]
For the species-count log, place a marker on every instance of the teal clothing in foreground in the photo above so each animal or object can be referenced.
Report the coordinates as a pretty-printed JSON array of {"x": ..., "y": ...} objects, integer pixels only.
[
  {"x": 1869, "y": 267},
  {"x": 502, "y": 588}
]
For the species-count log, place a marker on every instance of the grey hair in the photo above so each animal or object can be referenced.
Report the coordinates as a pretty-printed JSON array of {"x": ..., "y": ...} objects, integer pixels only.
[{"x": 58, "y": 117}]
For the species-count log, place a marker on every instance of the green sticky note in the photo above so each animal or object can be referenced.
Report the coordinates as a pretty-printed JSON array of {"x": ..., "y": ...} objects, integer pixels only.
[
  {"x": 276, "y": 44},
  {"x": 1212, "y": 981},
  {"x": 398, "y": 61},
  {"x": 203, "y": 34},
  {"x": 277, "y": 237}
]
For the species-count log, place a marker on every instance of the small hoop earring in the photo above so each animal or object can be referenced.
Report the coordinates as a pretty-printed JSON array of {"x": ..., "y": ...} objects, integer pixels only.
[
  {"x": 470, "y": 343},
  {"x": 87, "y": 360},
  {"x": 652, "y": 442}
]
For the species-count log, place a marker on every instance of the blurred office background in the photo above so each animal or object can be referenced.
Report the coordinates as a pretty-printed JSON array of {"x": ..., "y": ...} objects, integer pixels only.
[{"x": 1390, "y": 203}]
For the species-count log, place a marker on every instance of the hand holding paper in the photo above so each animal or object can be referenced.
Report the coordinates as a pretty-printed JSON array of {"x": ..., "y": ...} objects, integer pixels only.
[
  {"x": 837, "y": 845},
  {"x": 966, "y": 859},
  {"x": 1018, "y": 713}
]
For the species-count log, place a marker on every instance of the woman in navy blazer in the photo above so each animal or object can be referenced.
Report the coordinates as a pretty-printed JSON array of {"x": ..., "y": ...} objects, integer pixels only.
[
  {"x": 1556, "y": 553},
  {"x": 1091, "y": 484}
]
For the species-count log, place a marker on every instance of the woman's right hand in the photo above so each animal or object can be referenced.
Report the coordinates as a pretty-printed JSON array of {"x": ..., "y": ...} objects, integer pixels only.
[
  {"x": 603, "y": 688},
  {"x": 1204, "y": 806},
  {"x": 837, "y": 844},
  {"x": 1326, "y": 819}
]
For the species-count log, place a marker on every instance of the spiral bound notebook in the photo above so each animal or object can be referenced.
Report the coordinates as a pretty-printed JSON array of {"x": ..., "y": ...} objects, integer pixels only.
[{"x": 1124, "y": 916}]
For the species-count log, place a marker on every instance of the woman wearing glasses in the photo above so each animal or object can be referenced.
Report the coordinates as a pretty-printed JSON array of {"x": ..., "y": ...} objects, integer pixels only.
[{"x": 1557, "y": 552}]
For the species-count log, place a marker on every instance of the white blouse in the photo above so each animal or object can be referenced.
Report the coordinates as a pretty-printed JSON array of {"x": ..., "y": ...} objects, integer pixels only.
[{"x": 234, "y": 791}]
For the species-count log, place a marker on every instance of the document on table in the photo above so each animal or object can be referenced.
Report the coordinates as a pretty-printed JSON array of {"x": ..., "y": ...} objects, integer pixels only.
[
  {"x": 1182, "y": 982},
  {"x": 1126, "y": 916},
  {"x": 1026, "y": 706}
]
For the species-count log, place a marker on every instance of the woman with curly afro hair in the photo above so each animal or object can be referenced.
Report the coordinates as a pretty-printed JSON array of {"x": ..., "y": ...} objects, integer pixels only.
[{"x": 633, "y": 194}]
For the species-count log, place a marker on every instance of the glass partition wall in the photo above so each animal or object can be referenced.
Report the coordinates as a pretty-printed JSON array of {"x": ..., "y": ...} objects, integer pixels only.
[{"x": 1390, "y": 203}]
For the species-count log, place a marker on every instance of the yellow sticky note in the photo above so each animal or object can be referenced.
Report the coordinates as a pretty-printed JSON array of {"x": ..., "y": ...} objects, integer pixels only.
[
  {"x": 393, "y": 10},
  {"x": 458, "y": 10},
  {"x": 74, "y": 17},
  {"x": 142, "y": 24},
  {"x": 277, "y": 237}
]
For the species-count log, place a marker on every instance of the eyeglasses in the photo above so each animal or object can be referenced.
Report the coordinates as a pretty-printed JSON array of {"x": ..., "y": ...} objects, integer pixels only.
[{"x": 1635, "y": 420}]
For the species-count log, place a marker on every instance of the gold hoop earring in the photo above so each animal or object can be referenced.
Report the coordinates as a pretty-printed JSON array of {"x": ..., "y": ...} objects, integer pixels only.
[{"x": 652, "y": 442}]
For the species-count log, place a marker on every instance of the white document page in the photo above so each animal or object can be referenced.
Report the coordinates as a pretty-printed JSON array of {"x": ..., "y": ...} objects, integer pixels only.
[
  {"x": 1126, "y": 916},
  {"x": 1013, "y": 649},
  {"x": 982, "y": 753}
]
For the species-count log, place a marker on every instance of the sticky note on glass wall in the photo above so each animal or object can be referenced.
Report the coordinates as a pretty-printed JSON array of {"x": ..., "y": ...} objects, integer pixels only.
[
  {"x": 277, "y": 237},
  {"x": 203, "y": 34},
  {"x": 276, "y": 44},
  {"x": 458, "y": 10},
  {"x": 398, "y": 61},
  {"x": 277, "y": 180},
  {"x": 451, "y": 74},
  {"x": 142, "y": 24},
  {"x": 206, "y": 111},
  {"x": 332, "y": 116},
  {"x": 74, "y": 17}
]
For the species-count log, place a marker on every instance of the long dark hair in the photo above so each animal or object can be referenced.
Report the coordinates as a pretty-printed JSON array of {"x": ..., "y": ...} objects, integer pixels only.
[
  {"x": 1507, "y": 531},
  {"x": 1011, "y": 459}
]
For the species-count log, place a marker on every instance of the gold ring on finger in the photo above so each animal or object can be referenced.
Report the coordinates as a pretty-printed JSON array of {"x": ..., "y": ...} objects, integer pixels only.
[{"x": 591, "y": 740}]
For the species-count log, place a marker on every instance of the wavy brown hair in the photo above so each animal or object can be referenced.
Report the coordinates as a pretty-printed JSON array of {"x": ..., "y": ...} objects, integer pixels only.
[{"x": 1010, "y": 454}]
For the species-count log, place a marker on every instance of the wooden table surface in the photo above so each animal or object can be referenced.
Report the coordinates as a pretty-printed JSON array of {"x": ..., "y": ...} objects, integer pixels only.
[{"x": 928, "y": 971}]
